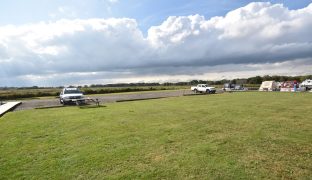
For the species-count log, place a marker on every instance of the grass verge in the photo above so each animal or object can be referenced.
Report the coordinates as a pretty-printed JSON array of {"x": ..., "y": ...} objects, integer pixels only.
[{"x": 224, "y": 136}]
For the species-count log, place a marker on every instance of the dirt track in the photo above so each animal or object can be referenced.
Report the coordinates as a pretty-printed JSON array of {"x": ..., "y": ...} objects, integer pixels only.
[{"x": 31, "y": 104}]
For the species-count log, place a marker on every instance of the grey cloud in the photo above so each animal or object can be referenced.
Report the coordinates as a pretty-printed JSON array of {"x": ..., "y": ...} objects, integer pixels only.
[
  {"x": 259, "y": 33},
  {"x": 228, "y": 71}
]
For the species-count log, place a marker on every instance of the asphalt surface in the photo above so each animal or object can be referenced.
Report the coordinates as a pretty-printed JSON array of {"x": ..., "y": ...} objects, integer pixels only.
[{"x": 42, "y": 103}]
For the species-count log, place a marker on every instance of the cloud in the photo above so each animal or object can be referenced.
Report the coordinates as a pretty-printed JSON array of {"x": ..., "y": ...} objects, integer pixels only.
[
  {"x": 257, "y": 35},
  {"x": 63, "y": 12},
  {"x": 258, "y": 32},
  {"x": 113, "y": 1}
]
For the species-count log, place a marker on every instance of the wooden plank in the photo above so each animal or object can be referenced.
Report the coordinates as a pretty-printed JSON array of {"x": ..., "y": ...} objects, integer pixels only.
[{"x": 7, "y": 107}]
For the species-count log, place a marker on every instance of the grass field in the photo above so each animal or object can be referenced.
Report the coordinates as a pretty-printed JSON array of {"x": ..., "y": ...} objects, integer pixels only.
[{"x": 224, "y": 136}]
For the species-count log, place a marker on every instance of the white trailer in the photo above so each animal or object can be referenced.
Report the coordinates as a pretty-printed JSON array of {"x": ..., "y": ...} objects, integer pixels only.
[{"x": 269, "y": 86}]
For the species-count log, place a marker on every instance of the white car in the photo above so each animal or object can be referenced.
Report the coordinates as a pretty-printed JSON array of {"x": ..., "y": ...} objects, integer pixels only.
[
  {"x": 203, "y": 88},
  {"x": 71, "y": 95}
]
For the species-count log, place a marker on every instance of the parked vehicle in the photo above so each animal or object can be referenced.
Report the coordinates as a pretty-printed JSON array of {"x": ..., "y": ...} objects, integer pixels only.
[
  {"x": 306, "y": 84},
  {"x": 228, "y": 87},
  {"x": 269, "y": 86},
  {"x": 203, "y": 88},
  {"x": 71, "y": 95},
  {"x": 234, "y": 87}
]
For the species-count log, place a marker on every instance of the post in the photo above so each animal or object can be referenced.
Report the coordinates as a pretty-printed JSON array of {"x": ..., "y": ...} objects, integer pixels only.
[{"x": 97, "y": 102}]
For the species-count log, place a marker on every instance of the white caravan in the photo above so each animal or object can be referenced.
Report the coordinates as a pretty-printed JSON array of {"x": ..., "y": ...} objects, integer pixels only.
[{"x": 269, "y": 86}]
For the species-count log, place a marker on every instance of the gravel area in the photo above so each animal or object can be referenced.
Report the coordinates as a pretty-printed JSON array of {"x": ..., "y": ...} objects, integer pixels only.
[{"x": 36, "y": 103}]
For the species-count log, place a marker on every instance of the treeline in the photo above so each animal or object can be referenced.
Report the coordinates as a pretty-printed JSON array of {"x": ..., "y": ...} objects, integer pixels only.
[
  {"x": 251, "y": 80},
  {"x": 259, "y": 79},
  {"x": 35, "y": 91},
  {"x": 20, "y": 95},
  {"x": 254, "y": 80},
  {"x": 106, "y": 90}
]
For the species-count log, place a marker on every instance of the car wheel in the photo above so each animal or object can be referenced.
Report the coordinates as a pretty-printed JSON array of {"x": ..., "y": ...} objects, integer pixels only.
[
  {"x": 195, "y": 91},
  {"x": 61, "y": 101},
  {"x": 208, "y": 91}
]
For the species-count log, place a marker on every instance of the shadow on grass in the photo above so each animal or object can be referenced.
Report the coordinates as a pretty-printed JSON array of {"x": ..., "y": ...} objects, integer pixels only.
[
  {"x": 50, "y": 107},
  {"x": 71, "y": 105},
  {"x": 140, "y": 99},
  {"x": 91, "y": 106},
  {"x": 200, "y": 94}
]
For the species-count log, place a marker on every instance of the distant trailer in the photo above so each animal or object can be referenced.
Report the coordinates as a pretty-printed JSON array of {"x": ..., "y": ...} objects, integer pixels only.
[{"x": 269, "y": 86}]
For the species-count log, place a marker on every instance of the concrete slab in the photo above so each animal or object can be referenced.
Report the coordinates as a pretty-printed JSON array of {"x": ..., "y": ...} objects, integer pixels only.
[{"x": 7, "y": 107}]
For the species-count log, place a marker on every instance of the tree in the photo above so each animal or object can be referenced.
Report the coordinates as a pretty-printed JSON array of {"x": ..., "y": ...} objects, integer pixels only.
[{"x": 255, "y": 80}]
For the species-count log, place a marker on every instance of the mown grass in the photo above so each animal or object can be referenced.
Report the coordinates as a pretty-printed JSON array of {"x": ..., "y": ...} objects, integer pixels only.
[{"x": 224, "y": 136}]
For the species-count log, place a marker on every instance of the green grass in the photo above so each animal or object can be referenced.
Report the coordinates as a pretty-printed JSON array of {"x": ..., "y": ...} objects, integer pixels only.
[{"x": 226, "y": 136}]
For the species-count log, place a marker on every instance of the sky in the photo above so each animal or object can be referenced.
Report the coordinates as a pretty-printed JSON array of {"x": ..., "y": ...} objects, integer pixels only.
[{"x": 80, "y": 42}]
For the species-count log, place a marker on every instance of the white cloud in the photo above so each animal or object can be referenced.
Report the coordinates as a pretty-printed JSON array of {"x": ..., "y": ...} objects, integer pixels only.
[
  {"x": 113, "y": 1},
  {"x": 63, "y": 12},
  {"x": 244, "y": 35},
  {"x": 259, "y": 34}
]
